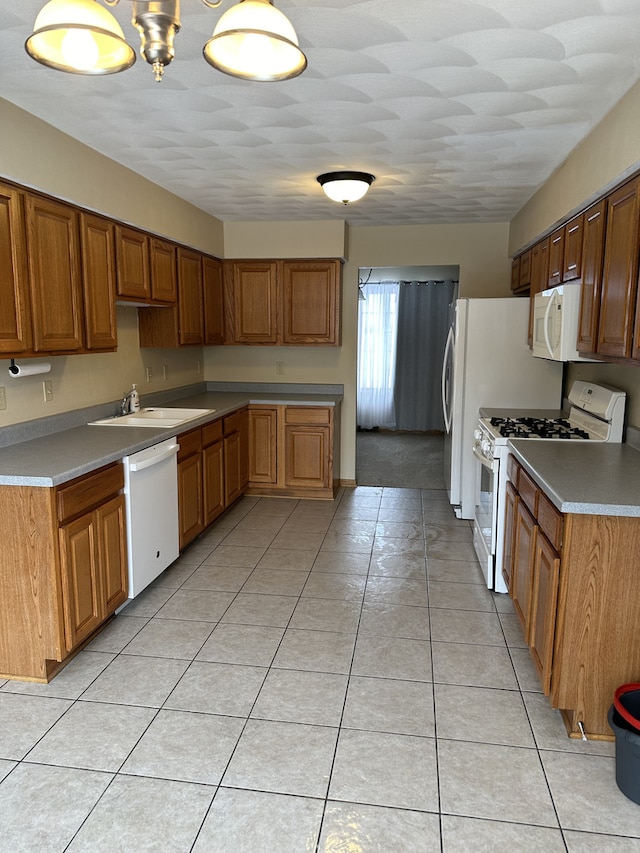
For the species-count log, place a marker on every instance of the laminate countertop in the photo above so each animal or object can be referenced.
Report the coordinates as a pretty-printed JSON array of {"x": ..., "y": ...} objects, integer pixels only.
[
  {"x": 584, "y": 477},
  {"x": 61, "y": 456}
]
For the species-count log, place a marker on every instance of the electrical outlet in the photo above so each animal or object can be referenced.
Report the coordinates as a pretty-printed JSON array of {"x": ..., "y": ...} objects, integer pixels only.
[
  {"x": 279, "y": 366},
  {"x": 164, "y": 371},
  {"x": 3, "y": 398},
  {"x": 149, "y": 374},
  {"x": 47, "y": 390}
]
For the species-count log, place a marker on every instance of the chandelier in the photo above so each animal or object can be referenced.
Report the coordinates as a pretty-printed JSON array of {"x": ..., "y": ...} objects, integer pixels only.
[{"x": 252, "y": 40}]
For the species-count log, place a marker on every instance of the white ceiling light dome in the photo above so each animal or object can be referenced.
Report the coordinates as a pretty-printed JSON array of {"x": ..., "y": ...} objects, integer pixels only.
[
  {"x": 79, "y": 36},
  {"x": 255, "y": 41},
  {"x": 345, "y": 187}
]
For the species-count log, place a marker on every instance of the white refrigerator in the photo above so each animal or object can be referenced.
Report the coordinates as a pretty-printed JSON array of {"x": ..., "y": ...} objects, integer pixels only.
[{"x": 488, "y": 363}]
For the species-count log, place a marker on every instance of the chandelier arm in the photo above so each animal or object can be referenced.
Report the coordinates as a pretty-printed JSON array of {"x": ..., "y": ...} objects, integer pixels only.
[
  {"x": 111, "y": 2},
  {"x": 210, "y": 3}
]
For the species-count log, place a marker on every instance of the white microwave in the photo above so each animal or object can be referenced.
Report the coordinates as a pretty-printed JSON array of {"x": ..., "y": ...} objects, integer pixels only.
[{"x": 556, "y": 314}]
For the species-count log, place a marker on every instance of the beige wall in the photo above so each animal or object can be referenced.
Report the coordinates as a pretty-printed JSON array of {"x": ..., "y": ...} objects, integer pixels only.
[
  {"x": 607, "y": 156},
  {"x": 36, "y": 155},
  {"x": 479, "y": 250}
]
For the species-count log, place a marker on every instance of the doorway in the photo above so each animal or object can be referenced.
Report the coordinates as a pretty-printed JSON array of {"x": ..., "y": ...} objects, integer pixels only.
[{"x": 403, "y": 320}]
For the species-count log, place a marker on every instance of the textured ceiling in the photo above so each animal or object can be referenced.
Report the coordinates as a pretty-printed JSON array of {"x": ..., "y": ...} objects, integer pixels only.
[{"x": 460, "y": 108}]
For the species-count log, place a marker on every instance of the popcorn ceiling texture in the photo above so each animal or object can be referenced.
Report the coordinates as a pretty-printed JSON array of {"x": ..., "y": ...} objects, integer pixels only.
[{"x": 461, "y": 109}]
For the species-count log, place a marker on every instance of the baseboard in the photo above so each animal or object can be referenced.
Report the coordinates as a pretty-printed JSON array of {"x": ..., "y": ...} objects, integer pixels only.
[{"x": 349, "y": 484}]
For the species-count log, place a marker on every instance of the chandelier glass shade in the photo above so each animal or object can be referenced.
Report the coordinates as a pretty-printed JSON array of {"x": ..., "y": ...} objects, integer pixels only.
[
  {"x": 345, "y": 187},
  {"x": 252, "y": 40},
  {"x": 79, "y": 36}
]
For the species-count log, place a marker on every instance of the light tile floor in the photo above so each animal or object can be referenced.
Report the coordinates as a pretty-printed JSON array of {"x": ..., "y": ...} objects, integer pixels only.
[{"x": 308, "y": 676}]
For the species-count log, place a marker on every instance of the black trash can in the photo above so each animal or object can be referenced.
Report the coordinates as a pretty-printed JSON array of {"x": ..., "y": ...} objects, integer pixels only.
[{"x": 624, "y": 719}]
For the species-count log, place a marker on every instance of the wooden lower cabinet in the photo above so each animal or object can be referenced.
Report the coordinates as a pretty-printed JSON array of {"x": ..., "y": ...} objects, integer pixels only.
[
  {"x": 292, "y": 451},
  {"x": 63, "y": 569},
  {"x": 190, "y": 502},
  {"x": 211, "y": 473},
  {"x": 576, "y": 589}
]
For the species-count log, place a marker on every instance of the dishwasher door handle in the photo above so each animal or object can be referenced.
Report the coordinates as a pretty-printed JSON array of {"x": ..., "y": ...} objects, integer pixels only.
[{"x": 154, "y": 460}]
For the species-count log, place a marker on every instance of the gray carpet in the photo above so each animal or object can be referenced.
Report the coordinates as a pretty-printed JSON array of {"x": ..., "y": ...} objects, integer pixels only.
[{"x": 400, "y": 460}]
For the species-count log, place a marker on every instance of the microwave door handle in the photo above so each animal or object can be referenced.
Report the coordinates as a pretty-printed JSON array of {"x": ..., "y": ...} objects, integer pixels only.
[
  {"x": 547, "y": 339},
  {"x": 446, "y": 409}
]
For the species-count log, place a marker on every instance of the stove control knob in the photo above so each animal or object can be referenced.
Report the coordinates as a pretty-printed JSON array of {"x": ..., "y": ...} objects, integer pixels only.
[
  {"x": 486, "y": 447},
  {"x": 477, "y": 435}
]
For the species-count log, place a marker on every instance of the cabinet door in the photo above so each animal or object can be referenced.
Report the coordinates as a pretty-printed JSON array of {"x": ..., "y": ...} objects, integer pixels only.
[
  {"x": 15, "y": 330},
  {"x": 254, "y": 301},
  {"x": 515, "y": 274},
  {"x": 54, "y": 275},
  {"x": 592, "y": 255},
  {"x": 544, "y": 599},
  {"x": 311, "y": 302},
  {"x": 620, "y": 272},
  {"x": 163, "y": 270},
  {"x": 113, "y": 553},
  {"x": 522, "y": 573},
  {"x": 539, "y": 276},
  {"x": 307, "y": 456},
  {"x": 190, "y": 298},
  {"x": 82, "y": 595},
  {"x": 99, "y": 282},
  {"x": 213, "y": 481},
  {"x": 572, "y": 266},
  {"x": 213, "y": 301},
  {"x": 233, "y": 485},
  {"x": 263, "y": 443},
  {"x": 556, "y": 257},
  {"x": 132, "y": 255},
  {"x": 511, "y": 503},
  {"x": 190, "y": 503},
  {"x": 524, "y": 277}
]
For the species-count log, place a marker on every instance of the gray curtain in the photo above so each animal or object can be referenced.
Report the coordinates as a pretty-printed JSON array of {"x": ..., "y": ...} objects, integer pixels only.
[{"x": 423, "y": 312}]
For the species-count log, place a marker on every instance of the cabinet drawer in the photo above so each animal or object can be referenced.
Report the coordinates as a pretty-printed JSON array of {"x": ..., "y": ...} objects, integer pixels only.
[
  {"x": 233, "y": 423},
  {"x": 190, "y": 443},
  {"x": 211, "y": 433},
  {"x": 550, "y": 520},
  {"x": 307, "y": 415},
  {"x": 529, "y": 492},
  {"x": 89, "y": 491}
]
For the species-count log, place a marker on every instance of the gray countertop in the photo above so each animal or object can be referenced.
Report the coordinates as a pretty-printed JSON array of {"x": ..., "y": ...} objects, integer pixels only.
[
  {"x": 589, "y": 478},
  {"x": 56, "y": 458}
]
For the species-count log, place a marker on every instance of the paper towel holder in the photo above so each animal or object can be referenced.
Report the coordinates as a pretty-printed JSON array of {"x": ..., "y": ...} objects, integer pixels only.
[{"x": 15, "y": 371}]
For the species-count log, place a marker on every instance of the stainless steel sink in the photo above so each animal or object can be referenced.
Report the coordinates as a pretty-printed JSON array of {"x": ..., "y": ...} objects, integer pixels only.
[{"x": 156, "y": 416}]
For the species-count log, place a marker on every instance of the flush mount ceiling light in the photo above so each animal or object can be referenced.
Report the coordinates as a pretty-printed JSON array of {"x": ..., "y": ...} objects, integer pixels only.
[
  {"x": 252, "y": 40},
  {"x": 345, "y": 186}
]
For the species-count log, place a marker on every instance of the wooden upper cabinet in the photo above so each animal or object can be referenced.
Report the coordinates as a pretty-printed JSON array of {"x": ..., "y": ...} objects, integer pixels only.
[
  {"x": 162, "y": 259},
  {"x": 53, "y": 240},
  {"x": 592, "y": 255},
  {"x": 251, "y": 296},
  {"x": 190, "y": 303},
  {"x": 15, "y": 327},
  {"x": 283, "y": 302},
  {"x": 213, "y": 301},
  {"x": 620, "y": 272},
  {"x": 311, "y": 302},
  {"x": 573, "y": 237},
  {"x": 515, "y": 274},
  {"x": 539, "y": 276},
  {"x": 556, "y": 257},
  {"x": 99, "y": 281},
  {"x": 132, "y": 254}
]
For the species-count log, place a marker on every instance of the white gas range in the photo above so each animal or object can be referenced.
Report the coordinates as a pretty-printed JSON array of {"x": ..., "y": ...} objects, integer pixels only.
[{"x": 596, "y": 414}]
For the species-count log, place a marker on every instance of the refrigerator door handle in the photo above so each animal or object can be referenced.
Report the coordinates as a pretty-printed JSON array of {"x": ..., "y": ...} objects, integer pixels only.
[{"x": 447, "y": 409}]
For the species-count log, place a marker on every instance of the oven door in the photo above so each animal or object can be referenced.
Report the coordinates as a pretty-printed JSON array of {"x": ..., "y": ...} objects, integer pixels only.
[{"x": 485, "y": 523}]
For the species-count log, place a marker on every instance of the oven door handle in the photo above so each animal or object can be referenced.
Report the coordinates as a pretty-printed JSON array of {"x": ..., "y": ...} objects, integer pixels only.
[{"x": 491, "y": 464}]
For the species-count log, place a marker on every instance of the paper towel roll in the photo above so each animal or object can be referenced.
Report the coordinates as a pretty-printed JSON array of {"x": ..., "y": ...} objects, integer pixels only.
[{"x": 30, "y": 368}]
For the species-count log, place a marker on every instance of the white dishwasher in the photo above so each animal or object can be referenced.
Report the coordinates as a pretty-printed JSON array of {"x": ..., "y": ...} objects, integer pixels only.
[{"x": 151, "y": 497}]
